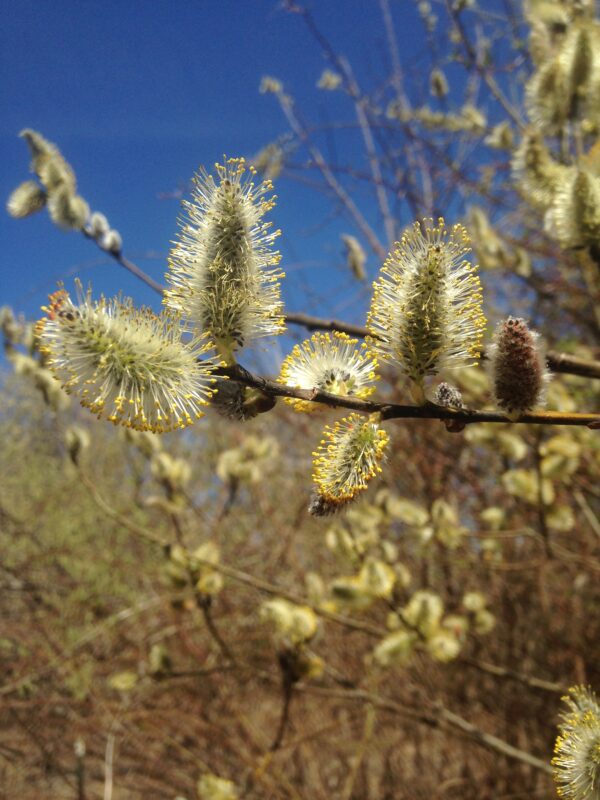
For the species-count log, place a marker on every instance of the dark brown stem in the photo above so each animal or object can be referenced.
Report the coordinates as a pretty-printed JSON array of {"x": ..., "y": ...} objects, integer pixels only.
[
  {"x": 287, "y": 690},
  {"x": 203, "y": 603},
  {"x": 397, "y": 411}
]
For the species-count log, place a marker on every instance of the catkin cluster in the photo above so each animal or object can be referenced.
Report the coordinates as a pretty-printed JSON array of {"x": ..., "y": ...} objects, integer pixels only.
[{"x": 156, "y": 372}]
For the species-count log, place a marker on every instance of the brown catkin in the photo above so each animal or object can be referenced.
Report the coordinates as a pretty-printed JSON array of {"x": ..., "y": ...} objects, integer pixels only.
[{"x": 518, "y": 370}]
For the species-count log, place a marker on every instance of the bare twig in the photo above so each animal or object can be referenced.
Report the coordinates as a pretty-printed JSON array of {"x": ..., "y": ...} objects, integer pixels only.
[
  {"x": 504, "y": 672},
  {"x": 287, "y": 107},
  {"x": 108, "y": 766},
  {"x": 588, "y": 513},
  {"x": 474, "y": 59}
]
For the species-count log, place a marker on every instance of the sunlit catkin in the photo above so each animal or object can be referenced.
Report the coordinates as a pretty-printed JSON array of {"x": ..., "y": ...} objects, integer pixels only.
[
  {"x": 126, "y": 365},
  {"x": 330, "y": 362},
  {"x": 576, "y": 762},
  {"x": 223, "y": 272},
  {"x": 347, "y": 458},
  {"x": 426, "y": 311}
]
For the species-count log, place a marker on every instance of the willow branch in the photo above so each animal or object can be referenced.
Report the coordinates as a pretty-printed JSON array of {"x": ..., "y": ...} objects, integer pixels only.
[
  {"x": 390, "y": 411},
  {"x": 128, "y": 265},
  {"x": 110, "y": 512},
  {"x": 510, "y": 674},
  {"x": 279, "y": 591}
]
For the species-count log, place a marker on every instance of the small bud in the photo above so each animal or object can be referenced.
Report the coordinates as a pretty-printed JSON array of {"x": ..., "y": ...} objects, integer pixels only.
[
  {"x": 424, "y": 611},
  {"x": 233, "y": 400},
  {"x": 55, "y": 173},
  {"x": 145, "y": 442},
  {"x": 378, "y": 578},
  {"x": 291, "y": 623},
  {"x": 111, "y": 241},
  {"x": 25, "y": 200},
  {"x": 23, "y": 364},
  {"x": 517, "y": 368},
  {"x": 77, "y": 440},
  {"x": 269, "y": 161},
  {"x": 485, "y": 622},
  {"x": 356, "y": 258},
  {"x": 270, "y": 85},
  {"x": 448, "y": 396},
  {"x": 98, "y": 224},
  {"x": 159, "y": 661},
  {"x": 574, "y": 219},
  {"x": 395, "y": 649},
  {"x": 438, "y": 85},
  {"x": 210, "y": 787},
  {"x": 53, "y": 395},
  {"x": 173, "y": 473},
  {"x": 47, "y": 162},
  {"x": 443, "y": 646},
  {"x": 500, "y": 137},
  {"x": 329, "y": 80},
  {"x": 457, "y": 625},
  {"x": 535, "y": 172},
  {"x": 351, "y": 592},
  {"x": 474, "y": 601}
]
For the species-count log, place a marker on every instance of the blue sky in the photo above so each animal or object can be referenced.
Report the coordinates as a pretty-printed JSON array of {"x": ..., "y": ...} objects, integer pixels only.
[{"x": 137, "y": 95}]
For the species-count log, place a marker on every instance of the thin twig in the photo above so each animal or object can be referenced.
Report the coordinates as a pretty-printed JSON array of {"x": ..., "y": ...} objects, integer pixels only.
[
  {"x": 437, "y": 717},
  {"x": 108, "y": 766},
  {"x": 279, "y": 591},
  {"x": 97, "y": 630},
  {"x": 588, "y": 513},
  {"x": 123, "y": 520},
  {"x": 301, "y": 132},
  {"x": 204, "y": 605},
  {"x": 504, "y": 672},
  {"x": 287, "y": 691},
  {"x": 483, "y": 72}
]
